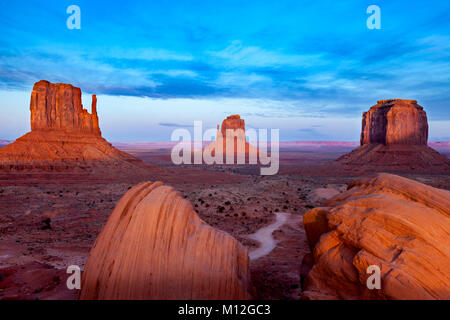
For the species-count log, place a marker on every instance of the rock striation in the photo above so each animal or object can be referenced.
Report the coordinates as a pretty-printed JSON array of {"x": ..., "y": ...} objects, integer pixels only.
[
  {"x": 394, "y": 137},
  {"x": 64, "y": 135},
  {"x": 233, "y": 122},
  {"x": 400, "y": 225},
  {"x": 154, "y": 246},
  {"x": 58, "y": 107},
  {"x": 395, "y": 121}
]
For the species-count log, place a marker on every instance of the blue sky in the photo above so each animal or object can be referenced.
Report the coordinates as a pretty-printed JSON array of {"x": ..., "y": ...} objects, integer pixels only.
[{"x": 309, "y": 68}]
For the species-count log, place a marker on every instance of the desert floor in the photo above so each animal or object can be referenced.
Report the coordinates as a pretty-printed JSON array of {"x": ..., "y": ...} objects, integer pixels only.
[{"x": 50, "y": 222}]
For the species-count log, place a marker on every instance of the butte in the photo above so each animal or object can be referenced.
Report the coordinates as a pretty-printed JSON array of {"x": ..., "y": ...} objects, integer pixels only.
[
  {"x": 65, "y": 137},
  {"x": 235, "y": 127},
  {"x": 394, "y": 138}
]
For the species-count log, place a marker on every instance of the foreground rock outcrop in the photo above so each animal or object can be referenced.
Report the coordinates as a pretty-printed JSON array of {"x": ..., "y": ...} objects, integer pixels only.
[
  {"x": 394, "y": 137},
  {"x": 63, "y": 136},
  {"x": 232, "y": 134},
  {"x": 154, "y": 246},
  {"x": 397, "y": 224}
]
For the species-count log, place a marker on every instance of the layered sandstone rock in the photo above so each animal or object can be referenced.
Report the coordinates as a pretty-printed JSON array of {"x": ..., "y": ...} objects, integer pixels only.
[
  {"x": 395, "y": 121},
  {"x": 56, "y": 151},
  {"x": 154, "y": 246},
  {"x": 58, "y": 107},
  {"x": 231, "y": 136},
  {"x": 394, "y": 137},
  {"x": 234, "y": 123},
  {"x": 63, "y": 135},
  {"x": 397, "y": 224}
]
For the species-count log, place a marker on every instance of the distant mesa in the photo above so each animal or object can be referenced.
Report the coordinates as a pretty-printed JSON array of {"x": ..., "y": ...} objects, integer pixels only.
[
  {"x": 235, "y": 127},
  {"x": 394, "y": 137},
  {"x": 397, "y": 224},
  {"x": 63, "y": 135},
  {"x": 233, "y": 122},
  {"x": 154, "y": 246},
  {"x": 4, "y": 142},
  {"x": 394, "y": 122}
]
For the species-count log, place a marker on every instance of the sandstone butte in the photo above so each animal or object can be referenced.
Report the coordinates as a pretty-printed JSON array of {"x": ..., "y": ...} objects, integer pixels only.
[
  {"x": 394, "y": 137},
  {"x": 236, "y": 137},
  {"x": 154, "y": 246},
  {"x": 398, "y": 224},
  {"x": 63, "y": 135}
]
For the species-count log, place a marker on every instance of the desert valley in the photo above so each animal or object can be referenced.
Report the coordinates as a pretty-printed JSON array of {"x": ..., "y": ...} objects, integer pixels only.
[{"x": 141, "y": 227}]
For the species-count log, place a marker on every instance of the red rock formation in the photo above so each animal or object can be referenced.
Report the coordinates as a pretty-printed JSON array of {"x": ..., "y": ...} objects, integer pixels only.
[
  {"x": 63, "y": 135},
  {"x": 58, "y": 107},
  {"x": 95, "y": 125},
  {"x": 397, "y": 224},
  {"x": 394, "y": 137},
  {"x": 154, "y": 246},
  {"x": 395, "y": 121},
  {"x": 232, "y": 133},
  {"x": 233, "y": 122}
]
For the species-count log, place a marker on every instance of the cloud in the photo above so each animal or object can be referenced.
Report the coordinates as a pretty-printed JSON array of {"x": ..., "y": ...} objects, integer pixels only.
[
  {"x": 239, "y": 79},
  {"x": 255, "y": 114},
  {"x": 148, "y": 54},
  {"x": 311, "y": 133},
  {"x": 175, "y": 125},
  {"x": 70, "y": 67},
  {"x": 289, "y": 61},
  {"x": 238, "y": 55},
  {"x": 175, "y": 73}
]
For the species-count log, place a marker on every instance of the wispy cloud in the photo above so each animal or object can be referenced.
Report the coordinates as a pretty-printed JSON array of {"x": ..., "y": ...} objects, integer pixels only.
[
  {"x": 290, "y": 59},
  {"x": 239, "y": 55},
  {"x": 310, "y": 132},
  {"x": 149, "y": 54},
  {"x": 174, "y": 125}
]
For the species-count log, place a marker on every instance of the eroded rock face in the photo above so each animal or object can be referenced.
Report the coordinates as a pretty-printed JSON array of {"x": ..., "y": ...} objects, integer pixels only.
[
  {"x": 394, "y": 138},
  {"x": 395, "y": 121},
  {"x": 233, "y": 122},
  {"x": 58, "y": 107},
  {"x": 395, "y": 223},
  {"x": 232, "y": 135},
  {"x": 64, "y": 136},
  {"x": 154, "y": 246}
]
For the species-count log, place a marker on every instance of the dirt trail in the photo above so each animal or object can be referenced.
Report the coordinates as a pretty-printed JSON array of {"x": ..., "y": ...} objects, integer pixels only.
[
  {"x": 265, "y": 238},
  {"x": 276, "y": 262}
]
